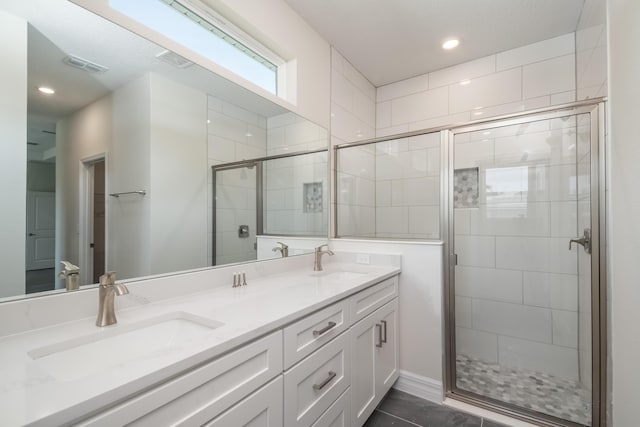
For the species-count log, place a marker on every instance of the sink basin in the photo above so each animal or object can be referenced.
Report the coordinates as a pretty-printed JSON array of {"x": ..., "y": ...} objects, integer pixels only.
[
  {"x": 336, "y": 276},
  {"x": 83, "y": 356}
]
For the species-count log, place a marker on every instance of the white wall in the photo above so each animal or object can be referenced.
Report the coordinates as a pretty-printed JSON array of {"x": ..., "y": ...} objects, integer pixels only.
[
  {"x": 153, "y": 132},
  {"x": 624, "y": 206},
  {"x": 591, "y": 51},
  {"x": 84, "y": 134},
  {"x": 178, "y": 174},
  {"x": 128, "y": 169},
  {"x": 13, "y": 152},
  {"x": 420, "y": 301},
  {"x": 278, "y": 27}
]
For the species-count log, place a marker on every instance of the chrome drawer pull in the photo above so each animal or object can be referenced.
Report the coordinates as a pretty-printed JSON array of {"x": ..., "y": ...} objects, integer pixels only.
[
  {"x": 326, "y": 381},
  {"x": 329, "y": 326},
  {"x": 379, "y": 343},
  {"x": 384, "y": 324}
]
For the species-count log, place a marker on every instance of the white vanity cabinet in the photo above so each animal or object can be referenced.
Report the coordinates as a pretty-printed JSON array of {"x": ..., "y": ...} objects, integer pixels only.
[
  {"x": 201, "y": 394},
  {"x": 262, "y": 408},
  {"x": 375, "y": 359},
  {"x": 329, "y": 368}
]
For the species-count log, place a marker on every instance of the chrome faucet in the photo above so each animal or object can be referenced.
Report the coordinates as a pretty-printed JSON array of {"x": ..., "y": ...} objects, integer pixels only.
[
  {"x": 284, "y": 249},
  {"x": 108, "y": 289},
  {"x": 317, "y": 263}
]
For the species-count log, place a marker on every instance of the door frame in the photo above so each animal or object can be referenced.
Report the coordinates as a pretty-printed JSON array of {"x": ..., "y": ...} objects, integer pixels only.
[
  {"x": 85, "y": 218},
  {"x": 596, "y": 109}
]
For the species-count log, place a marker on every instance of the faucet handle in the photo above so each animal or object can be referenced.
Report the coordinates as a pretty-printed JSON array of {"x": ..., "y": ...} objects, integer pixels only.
[
  {"x": 319, "y": 248},
  {"x": 108, "y": 278},
  {"x": 283, "y": 245}
]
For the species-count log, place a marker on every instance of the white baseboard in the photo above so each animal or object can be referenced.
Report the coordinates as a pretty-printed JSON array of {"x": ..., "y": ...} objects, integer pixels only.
[{"x": 423, "y": 387}]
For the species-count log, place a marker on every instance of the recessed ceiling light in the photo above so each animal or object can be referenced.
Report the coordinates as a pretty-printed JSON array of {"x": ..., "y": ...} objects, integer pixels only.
[
  {"x": 450, "y": 44},
  {"x": 46, "y": 90}
]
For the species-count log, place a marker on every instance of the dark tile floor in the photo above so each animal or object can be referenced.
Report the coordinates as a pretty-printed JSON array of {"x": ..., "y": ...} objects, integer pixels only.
[{"x": 404, "y": 410}]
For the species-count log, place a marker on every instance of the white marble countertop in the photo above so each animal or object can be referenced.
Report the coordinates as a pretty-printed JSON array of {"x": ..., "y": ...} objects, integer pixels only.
[{"x": 32, "y": 393}]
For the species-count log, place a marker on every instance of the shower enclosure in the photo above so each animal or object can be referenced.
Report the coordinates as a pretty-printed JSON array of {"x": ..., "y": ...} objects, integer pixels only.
[
  {"x": 237, "y": 212},
  {"x": 524, "y": 302}
]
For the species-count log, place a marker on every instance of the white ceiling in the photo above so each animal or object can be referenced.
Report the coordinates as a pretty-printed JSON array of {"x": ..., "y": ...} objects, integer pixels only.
[{"x": 392, "y": 40}]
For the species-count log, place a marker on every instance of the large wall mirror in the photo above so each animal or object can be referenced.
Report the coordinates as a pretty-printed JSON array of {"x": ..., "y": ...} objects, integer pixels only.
[{"x": 144, "y": 163}]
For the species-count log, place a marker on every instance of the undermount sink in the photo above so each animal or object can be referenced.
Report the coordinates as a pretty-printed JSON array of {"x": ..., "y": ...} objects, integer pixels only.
[
  {"x": 338, "y": 275},
  {"x": 83, "y": 356}
]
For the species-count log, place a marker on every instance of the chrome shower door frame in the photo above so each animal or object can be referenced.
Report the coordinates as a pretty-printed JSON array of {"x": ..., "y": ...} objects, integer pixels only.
[
  {"x": 596, "y": 110},
  {"x": 259, "y": 198}
]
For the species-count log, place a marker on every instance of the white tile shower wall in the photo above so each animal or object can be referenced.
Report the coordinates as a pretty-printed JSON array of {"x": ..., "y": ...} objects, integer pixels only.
[
  {"x": 233, "y": 134},
  {"x": 353, "y": 118},
  {"x": 289, "y": 133},
  {"x": 535, "y": 75},
  {"x": 528, "y": 77},
  {"x": 283, "y": 189},
  {"x": 515, "y": 277},
  {"x": 284, "y": 179},
  {"x": 407, "y": 179}
]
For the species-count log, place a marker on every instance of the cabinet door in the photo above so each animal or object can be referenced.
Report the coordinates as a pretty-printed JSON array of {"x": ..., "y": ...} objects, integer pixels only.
[
  {"x": 387, "y": 356},
  {"x": 261, "y": 409},
  {"x": 364, "y": 337}
]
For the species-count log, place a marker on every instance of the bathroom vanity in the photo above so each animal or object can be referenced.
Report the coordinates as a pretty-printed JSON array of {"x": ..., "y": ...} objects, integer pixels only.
[{"x": 293, "y": 347}]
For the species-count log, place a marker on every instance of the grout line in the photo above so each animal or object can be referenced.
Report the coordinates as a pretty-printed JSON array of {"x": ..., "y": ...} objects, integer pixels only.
[{"x": 395, "y": 416}]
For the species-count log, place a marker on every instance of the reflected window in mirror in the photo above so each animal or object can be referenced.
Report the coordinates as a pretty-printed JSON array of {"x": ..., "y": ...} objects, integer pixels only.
[
  {"x": 198, "y": 28},
  {"x": 389, "y": 189}
]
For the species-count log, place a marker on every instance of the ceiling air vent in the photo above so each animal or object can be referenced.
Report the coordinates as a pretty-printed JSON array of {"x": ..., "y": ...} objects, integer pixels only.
[
  {"x": 174, "y": 59},
  {"x": 84, "y": 65}
]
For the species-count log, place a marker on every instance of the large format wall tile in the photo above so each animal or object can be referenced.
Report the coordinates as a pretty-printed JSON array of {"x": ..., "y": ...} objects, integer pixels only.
[
  {"x": 515, "y": 320},
  {"x": 550, "y": 359},
  {"x": 489, "y": 283}
]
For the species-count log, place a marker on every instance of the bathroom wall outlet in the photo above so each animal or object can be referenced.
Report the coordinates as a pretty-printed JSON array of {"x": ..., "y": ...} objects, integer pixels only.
[{"x": 363, "y": 259}]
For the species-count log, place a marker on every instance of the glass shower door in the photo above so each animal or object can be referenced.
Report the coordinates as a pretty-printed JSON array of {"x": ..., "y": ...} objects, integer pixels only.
[
  {"x": 522, "y": 295},
  {"x": 236, "y": 213}
]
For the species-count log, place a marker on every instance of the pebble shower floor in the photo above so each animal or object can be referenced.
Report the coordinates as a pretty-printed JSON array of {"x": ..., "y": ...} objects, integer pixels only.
[{"x": 539, "y": 392}]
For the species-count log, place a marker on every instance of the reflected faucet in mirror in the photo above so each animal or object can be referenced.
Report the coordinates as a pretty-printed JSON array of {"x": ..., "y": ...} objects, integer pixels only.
[
  {"x": 284, "y": 249},
  {"x": 71, "y": 276},
  {"x": 108, "y": 289},
  {"x": 317, "y": 263}
]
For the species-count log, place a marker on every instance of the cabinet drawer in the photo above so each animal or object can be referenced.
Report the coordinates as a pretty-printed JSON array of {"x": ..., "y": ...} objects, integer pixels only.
[
  {"x": 201, "y": 394},
  {"x": 312, "y": 332},
  {"x": 366, "y": 302},
  {"x": 315, "y": 383},
  {"x": 262, "y": 408},
  {"x": 338, "y": 414}
]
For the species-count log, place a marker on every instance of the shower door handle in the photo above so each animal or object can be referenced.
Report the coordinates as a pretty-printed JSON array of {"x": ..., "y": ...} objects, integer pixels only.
[{"x": 584, "y": 241}]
